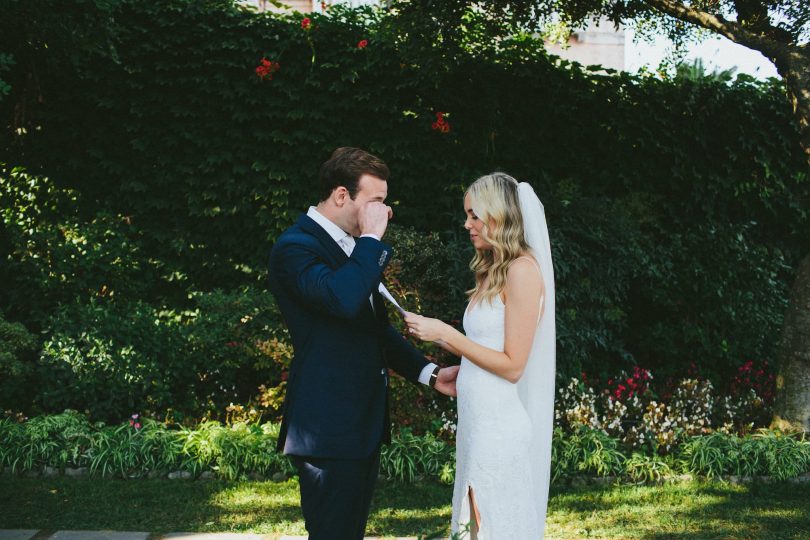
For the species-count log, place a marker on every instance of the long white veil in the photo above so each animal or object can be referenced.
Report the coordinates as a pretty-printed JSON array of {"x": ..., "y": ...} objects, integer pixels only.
[{"x": 536, "y": 386}]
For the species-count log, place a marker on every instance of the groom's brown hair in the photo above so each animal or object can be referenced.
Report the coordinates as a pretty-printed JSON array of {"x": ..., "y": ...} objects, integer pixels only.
[{"x": 345, "y": 167}]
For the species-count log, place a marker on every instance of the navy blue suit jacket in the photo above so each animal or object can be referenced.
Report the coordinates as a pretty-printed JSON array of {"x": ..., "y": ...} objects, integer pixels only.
[{"x": 337, "y": 391}]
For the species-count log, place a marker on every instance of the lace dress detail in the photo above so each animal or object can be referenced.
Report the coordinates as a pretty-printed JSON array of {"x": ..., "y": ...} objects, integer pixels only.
[{"x": 492, "y": 441}]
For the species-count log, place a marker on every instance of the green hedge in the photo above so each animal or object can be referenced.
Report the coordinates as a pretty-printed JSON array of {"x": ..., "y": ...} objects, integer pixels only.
[
  {"x": 160, "y": 168},
  {"x": 141, "y": 447}
]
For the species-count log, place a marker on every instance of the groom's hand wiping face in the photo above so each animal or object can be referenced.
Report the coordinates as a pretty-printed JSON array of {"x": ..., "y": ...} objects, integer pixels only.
[
  {"x": 373, "y": 218},
  {"x": 372, "y": 212}
]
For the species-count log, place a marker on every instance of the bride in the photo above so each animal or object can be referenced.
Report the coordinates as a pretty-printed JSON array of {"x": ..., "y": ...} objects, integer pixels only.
[{"x": 506, "y": 381}]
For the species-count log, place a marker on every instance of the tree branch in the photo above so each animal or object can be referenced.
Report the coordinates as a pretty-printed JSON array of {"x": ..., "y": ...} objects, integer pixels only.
[{"x": 718, "y": 24}]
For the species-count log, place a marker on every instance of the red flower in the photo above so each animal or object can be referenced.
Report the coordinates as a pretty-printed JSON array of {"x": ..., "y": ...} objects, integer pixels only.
[
  {"x": 266, "y": 68},
  {"x": 306, "y": 23},
  {"x": 441, "y": 124},
  {"x": 362, "y": 44}
]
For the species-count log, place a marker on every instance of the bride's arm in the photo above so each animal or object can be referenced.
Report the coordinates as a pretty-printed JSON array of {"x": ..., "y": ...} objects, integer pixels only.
[
  {"x": 447, "y": 347},
  {"x": 524, "y": 288}
]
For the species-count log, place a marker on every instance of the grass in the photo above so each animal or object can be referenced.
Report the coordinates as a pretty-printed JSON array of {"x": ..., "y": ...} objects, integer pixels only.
[{"x": 679, "y": 511}]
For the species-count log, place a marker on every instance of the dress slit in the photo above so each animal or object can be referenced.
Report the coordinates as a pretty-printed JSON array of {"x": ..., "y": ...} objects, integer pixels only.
[{"x": 470, "y": 523}]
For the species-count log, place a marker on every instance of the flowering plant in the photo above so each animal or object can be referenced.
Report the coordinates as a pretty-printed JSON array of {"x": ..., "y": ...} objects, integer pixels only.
[
  {"x": 266, "y": 68},
  {"x": 441, "y": 124},
  {"x": 628, "y": 408}
]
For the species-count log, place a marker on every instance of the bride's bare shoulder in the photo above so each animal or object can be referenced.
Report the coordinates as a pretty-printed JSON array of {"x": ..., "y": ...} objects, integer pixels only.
[
  {"x": 524, "y": 276},
  {"x": 523, "y": 265}
]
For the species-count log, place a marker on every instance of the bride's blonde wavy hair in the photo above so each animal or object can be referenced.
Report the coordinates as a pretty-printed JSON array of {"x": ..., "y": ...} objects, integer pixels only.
[{"x": 494, "y": 199}]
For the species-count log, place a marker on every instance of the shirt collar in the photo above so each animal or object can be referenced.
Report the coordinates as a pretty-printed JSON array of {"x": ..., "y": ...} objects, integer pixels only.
[{"x": 333, "y": 230}]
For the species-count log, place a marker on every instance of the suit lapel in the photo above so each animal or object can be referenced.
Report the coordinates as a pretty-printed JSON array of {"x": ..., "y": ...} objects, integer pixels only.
[{"x": 337, "y": 255}]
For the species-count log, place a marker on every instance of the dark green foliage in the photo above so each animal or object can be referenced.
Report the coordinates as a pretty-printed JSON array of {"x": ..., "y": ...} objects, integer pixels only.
[
  {"x": 141, "y": 446},
  {"x": 17, "y": 352},
  {"x": 770, "y": 453},
  {"x": 162, "y": 168},
  {"x": 116, "y": 358},
  {"x": 53, "y": 254}
]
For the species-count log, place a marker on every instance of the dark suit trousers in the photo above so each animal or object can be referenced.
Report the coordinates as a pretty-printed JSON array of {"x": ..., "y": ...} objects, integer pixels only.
[{"x": 336, "y": 495}]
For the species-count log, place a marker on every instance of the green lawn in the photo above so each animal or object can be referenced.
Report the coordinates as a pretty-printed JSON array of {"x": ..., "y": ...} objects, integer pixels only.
[{"x": 689, "y": 510}]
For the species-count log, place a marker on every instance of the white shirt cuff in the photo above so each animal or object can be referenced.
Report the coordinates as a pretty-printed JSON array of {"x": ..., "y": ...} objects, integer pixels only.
[
  {"x": 374, "y": 236},
  {"x": 424, "y": 377}
]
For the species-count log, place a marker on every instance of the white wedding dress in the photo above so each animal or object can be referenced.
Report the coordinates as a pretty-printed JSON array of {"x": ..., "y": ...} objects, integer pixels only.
[
  {"x": 503, "y": 440},
  {"x": 494, "y": 451}
]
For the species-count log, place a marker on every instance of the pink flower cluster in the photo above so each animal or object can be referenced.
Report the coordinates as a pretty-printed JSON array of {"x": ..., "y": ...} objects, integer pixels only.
[
  {"x": 759, "y": 378},
  {"x": 133, "y": 421},
  {"x": 636, "y": 384}
]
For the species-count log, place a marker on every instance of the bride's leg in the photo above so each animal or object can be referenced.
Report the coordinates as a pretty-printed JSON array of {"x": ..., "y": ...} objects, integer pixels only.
[{"x": 475, "y": 524}]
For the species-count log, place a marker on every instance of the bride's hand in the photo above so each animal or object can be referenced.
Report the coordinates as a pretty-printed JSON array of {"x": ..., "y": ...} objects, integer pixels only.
[{"x": 425, "y": 328}]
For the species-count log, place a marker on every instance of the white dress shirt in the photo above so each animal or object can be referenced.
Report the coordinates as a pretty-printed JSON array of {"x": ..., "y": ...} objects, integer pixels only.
[{"x": 347, "y": 243}]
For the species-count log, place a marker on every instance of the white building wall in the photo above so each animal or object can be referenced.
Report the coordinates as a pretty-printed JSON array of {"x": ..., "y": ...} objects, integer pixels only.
[{"x": 599, "y": 43}]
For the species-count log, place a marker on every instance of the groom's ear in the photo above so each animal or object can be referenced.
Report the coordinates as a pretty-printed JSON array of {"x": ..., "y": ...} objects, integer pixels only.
[{"x": 339, "y": 195}]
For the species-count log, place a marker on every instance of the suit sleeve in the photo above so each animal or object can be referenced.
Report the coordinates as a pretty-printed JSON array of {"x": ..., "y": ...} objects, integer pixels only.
[
  {"x": 403, "y": 357},
  {"x": 342, "y": 292}
]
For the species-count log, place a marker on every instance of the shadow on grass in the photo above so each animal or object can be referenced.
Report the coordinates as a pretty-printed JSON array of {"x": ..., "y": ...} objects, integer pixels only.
[
  {"x": 676, "y": 512},
  {"x": 409, "y": 509},
  {"x": 149, "y": 505},
  {"x": 162, "y": 506},
  {"x": 682, "y": 511}
]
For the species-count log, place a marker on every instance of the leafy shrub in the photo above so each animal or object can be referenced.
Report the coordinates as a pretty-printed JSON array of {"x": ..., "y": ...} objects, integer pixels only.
[
  {"x": 708, "y": 455},
  {"x": 55, "y": 254},
  {"x": 642, "y": 468},
  {"x": 233, "y": 451},
  {"x": 17, "y": 354},
  {"x": 590, "y": 451},
  {"x": 55, "y": 441},
  {"x": 107, "y": 356},
  {"x": 142, "y": 446},
  {"x": 785, "y": 456},
  {"x": 409, "y": 457}
]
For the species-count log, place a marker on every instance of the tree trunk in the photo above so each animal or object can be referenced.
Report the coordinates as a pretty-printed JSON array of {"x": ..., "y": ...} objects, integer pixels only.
[
  {"x": 794, "y": 67},
  {"x": 792, "y": 411}
]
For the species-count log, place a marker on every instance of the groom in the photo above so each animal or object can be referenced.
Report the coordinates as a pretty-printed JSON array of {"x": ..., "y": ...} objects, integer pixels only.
[{"x": 325, "y": 274}]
